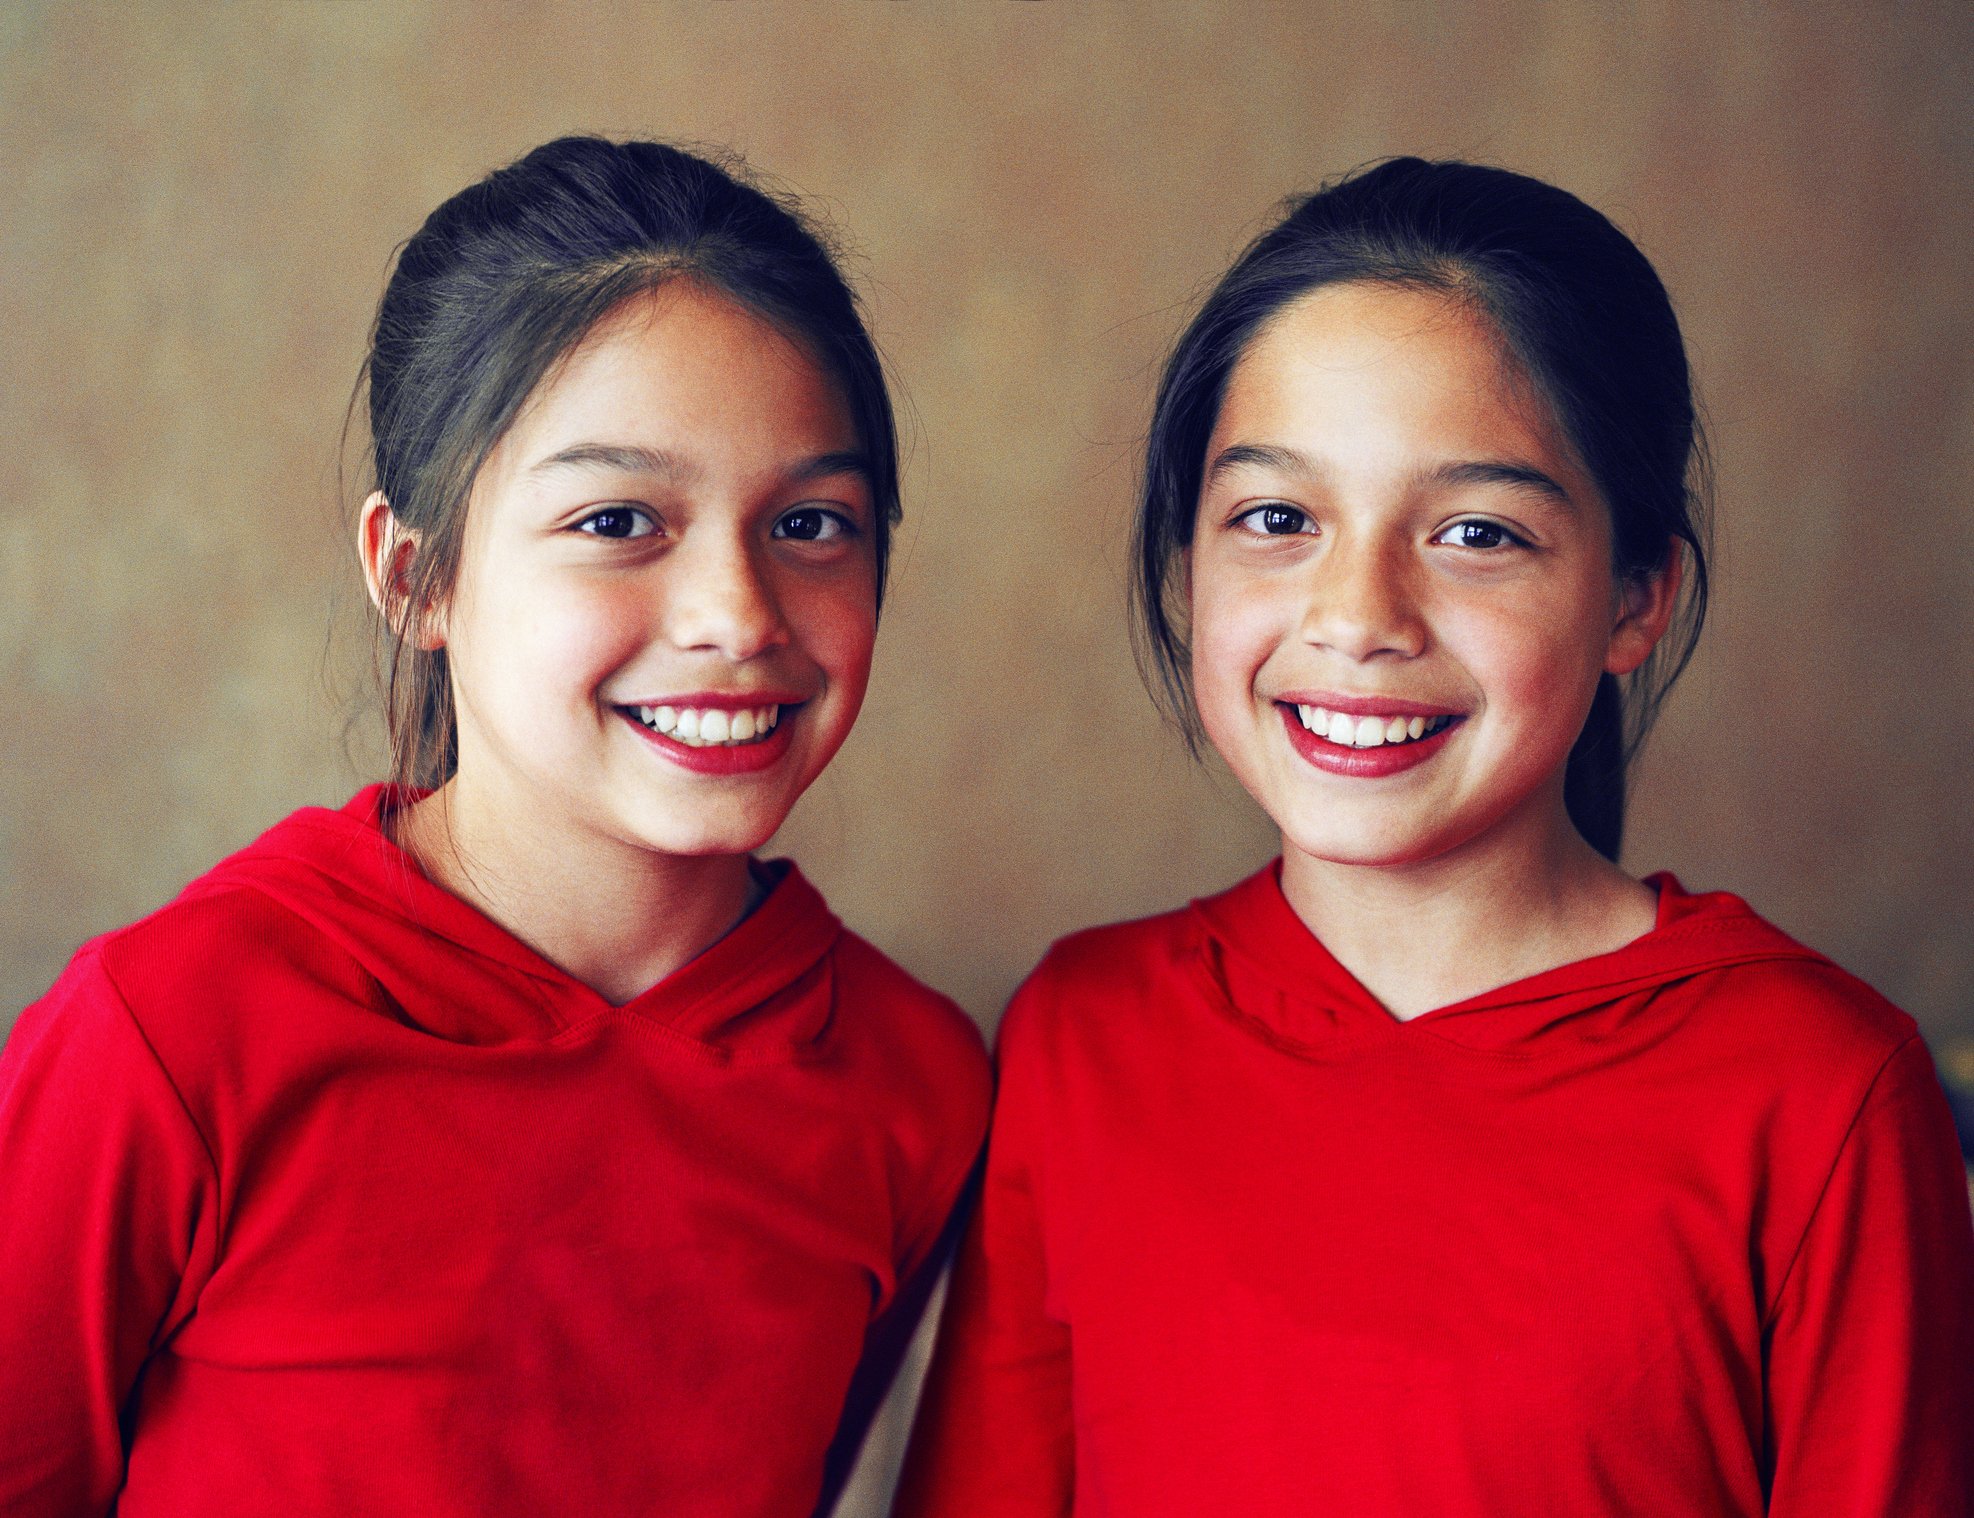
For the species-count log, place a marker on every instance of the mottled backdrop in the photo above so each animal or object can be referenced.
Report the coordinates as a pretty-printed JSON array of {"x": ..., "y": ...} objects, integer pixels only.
[{"x": 198, "y": 201}]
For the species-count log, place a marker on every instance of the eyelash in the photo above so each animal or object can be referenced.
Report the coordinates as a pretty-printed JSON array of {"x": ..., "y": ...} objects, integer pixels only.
[
  {"x": 1250, "y": 521},
  {"x": 842, "y": 526},
  {"x": 1510, "y": 538},
  {"x": 836, "y": 525},
  {"x": 588, "y": 524}
]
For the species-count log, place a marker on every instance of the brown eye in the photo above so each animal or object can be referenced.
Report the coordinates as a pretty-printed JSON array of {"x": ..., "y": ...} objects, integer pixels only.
[
  {"x": 617, "y": 522},
  {"x": 811, "y": 524},
  {"x": 1275, "y": 520},
  {"x": 1476, "y": 533}
]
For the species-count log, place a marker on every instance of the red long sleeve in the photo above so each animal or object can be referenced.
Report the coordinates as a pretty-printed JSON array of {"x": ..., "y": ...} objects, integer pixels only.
[
  {"x": 1870, "y": 1356},
  {"x": 1679, "y": 1229},
  {"x": 110, "y": 1216},
  {"x": 994, "y": 1423}
]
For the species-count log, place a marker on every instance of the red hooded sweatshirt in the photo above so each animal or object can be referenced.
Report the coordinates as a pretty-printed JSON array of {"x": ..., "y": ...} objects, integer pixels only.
[
  {"x": 322, "y": 1194},
  {"x": 1678, "y": 1230}
]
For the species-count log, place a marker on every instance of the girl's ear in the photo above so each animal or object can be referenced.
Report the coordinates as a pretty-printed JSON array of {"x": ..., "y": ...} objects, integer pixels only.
[
  {"x": 387, "y": 549},
  {"x": 1645, "y": 610}
]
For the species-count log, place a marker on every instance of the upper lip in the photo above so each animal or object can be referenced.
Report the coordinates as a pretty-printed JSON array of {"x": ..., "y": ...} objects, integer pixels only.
[
  {"x": 720, "y": 700},
  {"x": 1366, "y": 706}
]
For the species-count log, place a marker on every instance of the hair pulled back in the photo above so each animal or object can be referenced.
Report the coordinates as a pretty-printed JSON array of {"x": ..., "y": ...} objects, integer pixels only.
[
  {"x": 1581, "y": 312},
  {"x": 508, "y": 276}
]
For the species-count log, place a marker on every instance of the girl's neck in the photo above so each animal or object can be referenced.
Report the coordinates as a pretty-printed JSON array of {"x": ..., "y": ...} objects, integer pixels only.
[
  {"x": 1524, "y": 899},
  {"x": 614, "y": 916}
]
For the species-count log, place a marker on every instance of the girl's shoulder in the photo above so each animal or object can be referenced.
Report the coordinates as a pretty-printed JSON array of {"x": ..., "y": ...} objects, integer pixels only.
[
  {"x": 233, "y": 936},
  {"x": 932, "y": 1043},
  {"x": 1096, "y": 960},
  {"x": 1098, "y": 983},
  {"x": 1113, "y": 962},
  {"x": 915, "y": 1064},
  {"x": 180, "y": 991},
  {"x": 222, "y": 924},
  {"x": 1763, "y": 988}
]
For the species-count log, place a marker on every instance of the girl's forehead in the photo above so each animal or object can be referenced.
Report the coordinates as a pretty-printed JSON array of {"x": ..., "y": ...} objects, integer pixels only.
[
  {"x": 678, "y": 335},
  {"x": 1359, "y": 327},
  {"x": 1354, "y": 365},
  {"x": 685, "y": 360}
]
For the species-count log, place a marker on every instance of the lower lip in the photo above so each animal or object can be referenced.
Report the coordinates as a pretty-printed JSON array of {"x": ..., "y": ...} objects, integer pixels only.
[
  {"x": 1362, "y": 763},
  {"x": 719, "y": 758}
]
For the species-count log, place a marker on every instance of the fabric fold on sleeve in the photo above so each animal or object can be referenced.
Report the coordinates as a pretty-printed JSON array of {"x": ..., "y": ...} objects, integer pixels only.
[
  {"x": 994, "y": 1434},
  {"x": 1871, "y": 1340},
  {"x": 110, "y": 1202}
]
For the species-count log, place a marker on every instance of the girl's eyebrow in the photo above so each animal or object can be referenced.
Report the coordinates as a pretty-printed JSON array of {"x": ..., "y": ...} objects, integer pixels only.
[
  {"x": 823, "y": 465},
  {"x": 1292, "y": 461},
  {"x": 1262, "y": 456},
  {"x": 1497, "y": 472},
  {"x": 619, "y": 458},
  {"x": 634, "y": 458}
]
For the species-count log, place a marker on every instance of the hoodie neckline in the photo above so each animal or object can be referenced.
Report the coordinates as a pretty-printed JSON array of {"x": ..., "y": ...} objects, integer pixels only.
[
  {"x": 1251, "y": 940},
  {"x": 347, "y": 855}
]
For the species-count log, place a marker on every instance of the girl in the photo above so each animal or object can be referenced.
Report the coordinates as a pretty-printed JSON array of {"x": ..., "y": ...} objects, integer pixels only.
[
  {"x": 1442, "y": 1167},
  {"x": 509, "y": 1141}
]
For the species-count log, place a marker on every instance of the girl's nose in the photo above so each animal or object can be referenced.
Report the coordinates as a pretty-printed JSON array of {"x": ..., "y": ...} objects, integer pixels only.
[
  {"x": 719, "y": 600},
  {"x": 1363, "y": 603}
]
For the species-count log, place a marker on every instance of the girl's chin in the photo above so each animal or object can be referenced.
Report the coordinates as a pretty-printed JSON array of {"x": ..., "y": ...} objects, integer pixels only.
[
  {"x": 1360, "y": 853},
  {"x": 703, "y": 832},
  {"x": 691, "y": 827},
  {"x": 1374, "y": 838},
  {"x": 1332, "y": 837}
]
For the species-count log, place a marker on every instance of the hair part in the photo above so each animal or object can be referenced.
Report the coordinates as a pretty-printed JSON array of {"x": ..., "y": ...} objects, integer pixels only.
[
  {"x": 500, "y": 285},
  {"x": 1584, "y": 317}
]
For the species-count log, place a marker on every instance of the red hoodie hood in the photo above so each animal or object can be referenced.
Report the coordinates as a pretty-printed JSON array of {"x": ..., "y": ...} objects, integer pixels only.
[
  {"x": 1263, "y": 960},
  {"x": 445, "y": 968}
]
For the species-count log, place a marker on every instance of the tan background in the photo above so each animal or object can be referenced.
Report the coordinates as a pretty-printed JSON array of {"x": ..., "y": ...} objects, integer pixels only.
[{"x": 198, "y": 202}]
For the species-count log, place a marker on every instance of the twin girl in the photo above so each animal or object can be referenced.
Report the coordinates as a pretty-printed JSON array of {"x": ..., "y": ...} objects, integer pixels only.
[{"x": 512, "y": 1141}]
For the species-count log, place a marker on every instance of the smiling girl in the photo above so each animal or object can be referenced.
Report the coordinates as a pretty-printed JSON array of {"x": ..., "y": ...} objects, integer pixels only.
[
  {"x": 1443, "y": 1167},
  {"x": 509, "y": 1140}
]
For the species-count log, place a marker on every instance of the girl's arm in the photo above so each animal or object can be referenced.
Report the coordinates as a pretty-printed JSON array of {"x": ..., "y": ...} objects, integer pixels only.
[
  {"x": 1871, "y": 1341},
  {"x": 885, "y": 1346},
  {"x": 993, "y": 1438},
  {"x": 107, "y": 1214}
]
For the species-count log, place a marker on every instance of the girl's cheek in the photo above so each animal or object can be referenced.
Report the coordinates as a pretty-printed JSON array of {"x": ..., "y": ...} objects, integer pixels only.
[
  {"x": 605, "y": 617},
  {"x": 1533, "y": 667},
  {"x": 1208, "y": 639},
  {"x": 1230, "y": 645},
  {"x": 1232, "y": 631},
  {"x": 839, "y": 627}
]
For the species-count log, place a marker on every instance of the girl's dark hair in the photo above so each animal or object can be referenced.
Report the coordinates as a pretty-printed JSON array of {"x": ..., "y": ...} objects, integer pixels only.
[
  {"x": 1589, "y": 323},
  {"x": 506, "y": 278}
]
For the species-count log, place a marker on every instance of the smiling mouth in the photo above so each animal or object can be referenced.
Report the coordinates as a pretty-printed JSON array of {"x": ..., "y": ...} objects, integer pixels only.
[
  {"x": 1348, "y": 731},
  {"x": 709, "y": 726}
]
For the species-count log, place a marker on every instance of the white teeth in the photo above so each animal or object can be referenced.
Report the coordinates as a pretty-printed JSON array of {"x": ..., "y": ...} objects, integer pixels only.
[
  {"x": 1366, "y": 732},
  {"x": 706, "y": 727}
]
